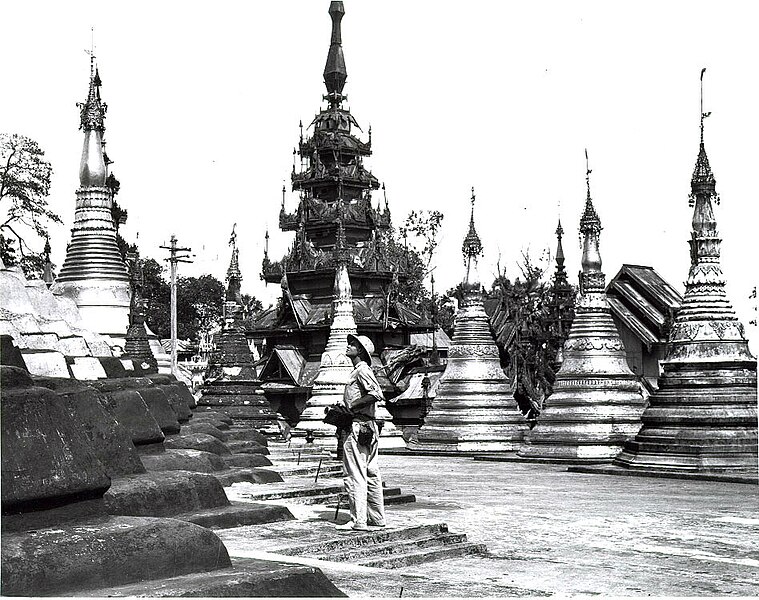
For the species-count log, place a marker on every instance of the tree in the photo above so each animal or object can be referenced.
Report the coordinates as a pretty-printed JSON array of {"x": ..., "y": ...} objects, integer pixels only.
[
  {"x": 200, "y": 305},
  {"x": 157, "y": 295},
  {"x": 534, "y": 334},
  {"x": 24, "y": 187},
  {"x": 423, "y": 226},
  {"x": 251, "y": 305}
]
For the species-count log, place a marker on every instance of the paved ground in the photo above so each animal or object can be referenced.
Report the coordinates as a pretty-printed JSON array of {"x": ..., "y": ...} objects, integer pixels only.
[{"x": 553, "y": 532}]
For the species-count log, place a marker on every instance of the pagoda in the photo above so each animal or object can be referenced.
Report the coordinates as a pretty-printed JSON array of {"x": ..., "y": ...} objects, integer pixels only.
[
  {"x": 94, "y": 274},
  {"x": 137, "y": 346},
  {"x": 561, "y": 300},
  {"x": 596, "y": 401},
  {"x": 473, "y": 410},
  {"x": 335, "y": 190},
  {"x": 702, "y": 419},
  {"x": 232, "y": 385}
]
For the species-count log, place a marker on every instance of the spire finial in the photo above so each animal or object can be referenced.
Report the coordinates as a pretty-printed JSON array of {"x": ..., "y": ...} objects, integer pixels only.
[
  {"x": 703, "y": 114},
  {"x": 589, "y": 221},
  {"x": 702, "y": 182},
  {"x": 472, "y": 246},
  {"x": 234, "y": 263},
  {"x": 335, "y": 73}
]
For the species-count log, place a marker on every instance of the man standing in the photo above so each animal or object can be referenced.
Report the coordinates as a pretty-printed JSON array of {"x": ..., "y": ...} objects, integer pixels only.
[{"x": 361, "y": 475}]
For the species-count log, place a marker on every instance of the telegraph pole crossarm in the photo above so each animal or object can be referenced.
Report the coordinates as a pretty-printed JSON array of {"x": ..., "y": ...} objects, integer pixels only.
[{"x": 176, "y": 255}]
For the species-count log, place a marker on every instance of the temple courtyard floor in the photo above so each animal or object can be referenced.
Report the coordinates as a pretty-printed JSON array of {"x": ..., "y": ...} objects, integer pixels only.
[{"x": 547, "y": 531}]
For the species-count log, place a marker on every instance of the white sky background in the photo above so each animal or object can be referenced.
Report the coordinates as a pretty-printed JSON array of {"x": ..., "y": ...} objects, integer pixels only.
[{"x": 205, "y": 98}]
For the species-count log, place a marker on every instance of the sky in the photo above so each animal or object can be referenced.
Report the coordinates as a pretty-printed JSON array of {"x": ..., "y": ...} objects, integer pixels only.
[{"x": 205, "y": 100}]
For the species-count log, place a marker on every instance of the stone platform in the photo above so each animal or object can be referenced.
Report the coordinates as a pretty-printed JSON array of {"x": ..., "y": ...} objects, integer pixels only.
[{"x": 548, "y": 532}]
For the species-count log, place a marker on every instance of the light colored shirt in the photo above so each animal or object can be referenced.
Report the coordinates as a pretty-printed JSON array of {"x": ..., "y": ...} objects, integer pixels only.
[{"x": 362, "y": 381}]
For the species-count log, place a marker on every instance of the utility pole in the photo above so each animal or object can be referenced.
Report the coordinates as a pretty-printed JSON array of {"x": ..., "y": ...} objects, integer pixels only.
[{"x": 174, "y": 258}]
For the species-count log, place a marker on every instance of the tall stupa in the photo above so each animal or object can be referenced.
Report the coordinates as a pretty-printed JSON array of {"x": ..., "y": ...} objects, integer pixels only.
[
  {"x": 232, "y": 385},
  {"x": 94, "y": 274},
  {"x": 596, "y": 402},
  {"x": 474, "y": 410},
  {"x": 703, "y": 418}
]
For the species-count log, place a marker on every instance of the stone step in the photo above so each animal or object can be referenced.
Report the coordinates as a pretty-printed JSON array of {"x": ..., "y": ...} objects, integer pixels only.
[
  {"x": 252, "y": 475},
  {"x": 289, "y": 457},
  {"x": 245, "y": 578},
  {"x": 341, "y": 542},
  {"x": 395, "y": 547},
  {"x": 331, "y": 501},
  {"x": 315, "y": 495},
  {"x": 238, "y": 514},
  {"x": 247, "y": 446},
  {"x": 302, "y": 492},
  {"x": 423, "y": 556},
  {"x": 308, "y": 470}
]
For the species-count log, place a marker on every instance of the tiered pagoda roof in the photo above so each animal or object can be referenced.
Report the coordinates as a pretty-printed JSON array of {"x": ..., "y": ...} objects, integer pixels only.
[
  {"x": 334, "y": 186},
  {"x": 335, "y": 191}
]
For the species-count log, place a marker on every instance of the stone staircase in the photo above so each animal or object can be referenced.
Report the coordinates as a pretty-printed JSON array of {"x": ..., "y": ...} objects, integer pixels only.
[
  {"x": 391, "y": 549},
  {"x": 305, "y": 492}
]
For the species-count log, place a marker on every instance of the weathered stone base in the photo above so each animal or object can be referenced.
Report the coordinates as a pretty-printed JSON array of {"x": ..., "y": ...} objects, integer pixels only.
[
  {"x": 703, "y": 419},
  {"x": 111, "y": 550},
  {"x": 587, "y": 419},
  {"x": 472, "y": 416},
  {"x": 247, "y": 578}
]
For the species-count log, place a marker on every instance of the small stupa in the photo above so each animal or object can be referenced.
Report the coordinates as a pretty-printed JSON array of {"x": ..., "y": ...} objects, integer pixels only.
[
  {"x": 703, "y": 417},
  {"x": 474, "y": 410},
  {"x": 137, "y": 346},
  {"x": 596, "y": 402},
  {"x": 94, "y": 274},
  {"x": 232, "y": 385}
]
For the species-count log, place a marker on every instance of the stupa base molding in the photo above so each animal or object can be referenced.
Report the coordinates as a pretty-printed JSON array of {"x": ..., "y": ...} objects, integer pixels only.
[{"x": 693, "y": 475}]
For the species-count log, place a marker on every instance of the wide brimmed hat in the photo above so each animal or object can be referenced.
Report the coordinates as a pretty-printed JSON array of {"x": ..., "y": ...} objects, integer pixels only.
[{"x": 365, "y": 345}]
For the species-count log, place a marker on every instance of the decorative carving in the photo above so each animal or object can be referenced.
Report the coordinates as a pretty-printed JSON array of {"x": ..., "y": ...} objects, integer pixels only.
[
  {"x": 473, "y": 351},
  {"x": 585, "y": 344}
]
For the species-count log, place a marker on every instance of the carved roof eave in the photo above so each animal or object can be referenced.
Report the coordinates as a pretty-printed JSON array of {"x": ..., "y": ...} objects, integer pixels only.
[
  {"x": 341, "y": 141},
  {"x": 304, "y": 180},
  {"x": 291, "y": 222},
  {"x": 272, "y": 272}
]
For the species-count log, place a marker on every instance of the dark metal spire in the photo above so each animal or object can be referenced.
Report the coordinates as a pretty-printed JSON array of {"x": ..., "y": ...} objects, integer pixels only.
[
  {"x": 47, "y": 269},
  {"x": 702, "y": 182},
  {"x": 92, "y": 111},
  {"x": 589, "y": 221},
  {"x": 559, "y": 249},
  {"x": 335, "y": 73},
  {"x": 472, "y": 246}
]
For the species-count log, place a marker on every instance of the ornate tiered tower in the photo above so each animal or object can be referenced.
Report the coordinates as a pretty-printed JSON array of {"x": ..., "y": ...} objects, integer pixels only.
[
  {"x": 94, "y": 274},
  {"x": 334, "y": 190},
  {"x": 334, "y": 186},
  {"x": 703, "y": 417},
  {"x": 231, "y": 382},
  {"x": 596, "y": 402},
  {"x": 474, "y": 410}
]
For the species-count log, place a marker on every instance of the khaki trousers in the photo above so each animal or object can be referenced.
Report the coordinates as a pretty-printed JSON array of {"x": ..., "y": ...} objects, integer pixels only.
[{"x": 361, "y": 478}]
